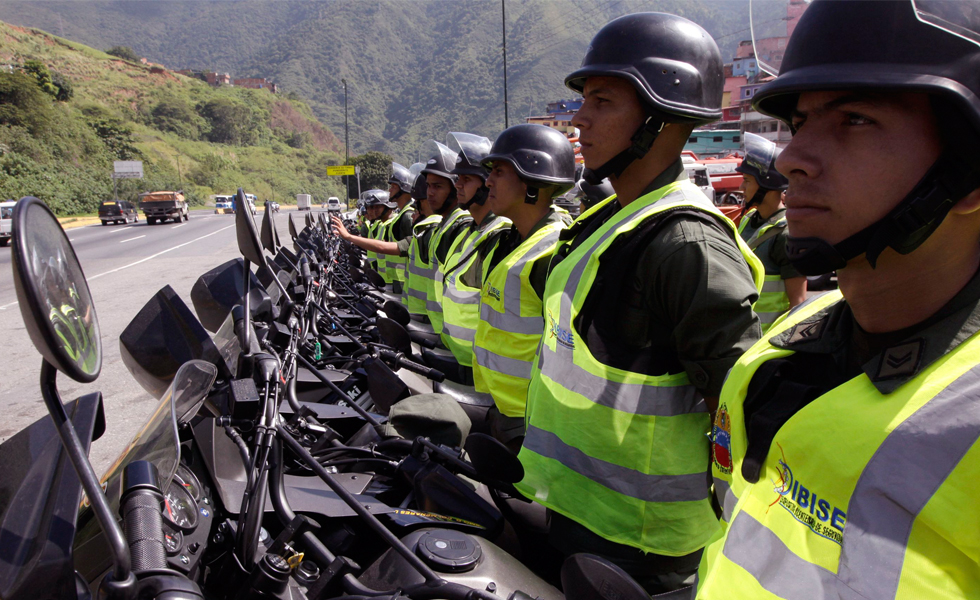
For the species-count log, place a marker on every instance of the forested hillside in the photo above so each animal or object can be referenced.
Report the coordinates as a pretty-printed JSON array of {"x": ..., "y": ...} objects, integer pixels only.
[
  {"x": 415, "y": 68},
  {"x": 67, "y": 111}
]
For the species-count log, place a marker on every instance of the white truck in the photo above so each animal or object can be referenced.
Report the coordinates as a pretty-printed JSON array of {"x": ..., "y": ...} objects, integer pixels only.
[
  {"x": 6, "y": 221},
  {"x": 303, "y": 201}
]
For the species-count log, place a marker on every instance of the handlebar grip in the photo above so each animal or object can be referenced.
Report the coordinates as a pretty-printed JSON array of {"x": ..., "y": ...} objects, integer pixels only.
[
  {"x": 424, "y": 371},
  {"x": 143, "y": 524}
]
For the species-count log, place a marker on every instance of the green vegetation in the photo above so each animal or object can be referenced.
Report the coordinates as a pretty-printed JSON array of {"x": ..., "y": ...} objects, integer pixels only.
[
  {"x": 124, "y": 52},
  {"x": 68, "y": 111},
  {"x": 415, "y": 69}
]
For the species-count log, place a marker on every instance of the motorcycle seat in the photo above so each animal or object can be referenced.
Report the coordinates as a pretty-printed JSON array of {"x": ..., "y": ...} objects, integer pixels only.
[
  {"x": 463, "y": 394},
  {"x": 450, "y": 367}
]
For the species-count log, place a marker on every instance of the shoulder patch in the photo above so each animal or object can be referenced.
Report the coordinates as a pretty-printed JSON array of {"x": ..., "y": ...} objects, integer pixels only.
[{"x": 900, "y": 361}]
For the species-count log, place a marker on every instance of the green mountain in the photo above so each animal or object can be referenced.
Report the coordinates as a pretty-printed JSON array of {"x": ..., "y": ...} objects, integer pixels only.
[
  {"x": 415, "y": 68},
  {"x": 68, "y": 111}
]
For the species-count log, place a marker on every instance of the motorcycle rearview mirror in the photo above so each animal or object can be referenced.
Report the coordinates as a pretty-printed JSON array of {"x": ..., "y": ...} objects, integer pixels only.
[
  {"x": 53, "y": 294},
  {"x": 292, "y": 228},
  {"x": 492, "y": 459},
  {"x": 309, "y": 220},
  {"x": 248, "y": 240},
  {"x": 270, "y": 238},
  {"x": 59, "y": 314},
  {"x": 588, "y": 577},
  {"x": 355, "y": 274},
  {"x": 397, "y": 312},
  {"x": 394, "y": 335}
]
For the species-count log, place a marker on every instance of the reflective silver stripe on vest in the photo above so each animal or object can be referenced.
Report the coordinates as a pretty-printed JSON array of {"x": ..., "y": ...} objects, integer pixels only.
[
  {"x": 506, "y": 321},
  {"x": 502, "y": 364},
  {"x": 511, "y": 320},
  {"x": 414, "y": 293},
  {"x": 924, "y": 448},
  {"x": 726, "y": 498},
  {"x": 460, "y": 296},
  {"x": 633, "y": 398},
  {"x": 626, "y": 481},
  {"x": 433, "y": 306},
  {"x": 422, "y": 271},
  {"x": 767, "y": 318},
  {"x": 772, "y": 287},
  {"x": 459, "y": 333}
]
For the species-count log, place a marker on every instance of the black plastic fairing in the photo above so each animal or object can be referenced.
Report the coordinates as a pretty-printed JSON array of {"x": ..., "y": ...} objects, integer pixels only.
[
  {"x": 39, "y": 499},
  {"x": 162, "y": 336}
]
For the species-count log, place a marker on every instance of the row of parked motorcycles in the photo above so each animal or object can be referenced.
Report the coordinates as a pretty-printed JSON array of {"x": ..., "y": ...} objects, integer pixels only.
[{"x": 296, "y": 452}]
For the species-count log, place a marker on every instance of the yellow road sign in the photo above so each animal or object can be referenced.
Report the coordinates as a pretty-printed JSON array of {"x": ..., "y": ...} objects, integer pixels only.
[{"x": 340, "y": 170}]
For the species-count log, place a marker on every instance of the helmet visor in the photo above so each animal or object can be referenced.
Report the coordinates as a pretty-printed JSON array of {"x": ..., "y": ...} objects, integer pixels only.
[
  {"x": 759, "y": 153},
  {"x": 470, "y": 149},
  {"x": 438, "y": 158},
  {"x": 956, "y": 17}
]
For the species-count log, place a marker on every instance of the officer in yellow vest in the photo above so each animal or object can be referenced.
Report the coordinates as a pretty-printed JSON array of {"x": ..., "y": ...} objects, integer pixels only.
[
  {"x": 377, "y": 211},
  {"x": 647, "y": 306},
  {"x": 846, "y": 454},
  {"x": 460, "y": 279},
  {"x": 392, "y": 237},
  {"x": 763, "y": 227},
  {"x": 529, "y": 165},
  {"x": 444, "y": 200}
]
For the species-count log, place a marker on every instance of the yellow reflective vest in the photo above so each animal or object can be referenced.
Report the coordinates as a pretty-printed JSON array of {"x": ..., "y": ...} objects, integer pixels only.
[
  {"x": 396, "y": 265},
  {"x": 862, "y": 494},
  {"x": 511, "y": 322},
  {"x": 624, "y": 454},
  {"x": 433, "y": 303},
  {"x": 460, "y": 302},
  {"x": 773, "y": 300},
  {"x": 420, "y": 271}
]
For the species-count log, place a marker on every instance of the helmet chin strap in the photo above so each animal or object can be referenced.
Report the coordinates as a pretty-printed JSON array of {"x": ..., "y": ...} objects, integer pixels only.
[
  {"x": 479, "y": 198},
  {"x": 451, "y": 196},
  {"x": 755, "y": 200},
  {"x": 641, "y": 142},
  {"x": 903, "y": 229}
]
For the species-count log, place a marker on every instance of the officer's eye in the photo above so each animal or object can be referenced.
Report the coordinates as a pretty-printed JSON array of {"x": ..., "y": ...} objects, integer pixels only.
[{"x": 858, "y": 119}]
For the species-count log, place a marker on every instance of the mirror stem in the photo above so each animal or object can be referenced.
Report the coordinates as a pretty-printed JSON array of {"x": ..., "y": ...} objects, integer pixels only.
[
  {"x": 247, "y": 273},
  {"x": 123, "y": 579}
]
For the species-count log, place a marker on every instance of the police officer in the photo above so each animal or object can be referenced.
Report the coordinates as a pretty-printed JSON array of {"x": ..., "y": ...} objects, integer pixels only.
[
  {"x": 391, "y": 243},
  {"x": 763, "y": 227},
  {"x": 529, "y": 165},
  {"x": 648, "y": 304},
  {"x": 846, "y": 454},
  {"x": 455, "y": 219},
  {"x": 459, "y": 278},
  {"x": 400, "y": 230},
  {"x": 377, "y": 210}
]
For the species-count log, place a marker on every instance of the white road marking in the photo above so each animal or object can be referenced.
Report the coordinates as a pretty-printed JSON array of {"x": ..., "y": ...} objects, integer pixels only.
[
  {"x": 6, "y": 306},
  {"x": 118, "y": 230},
  {"x": 152, "y": 256},
  {"x": 176, "y": 226},
  {"x": 131, "y": 239}
]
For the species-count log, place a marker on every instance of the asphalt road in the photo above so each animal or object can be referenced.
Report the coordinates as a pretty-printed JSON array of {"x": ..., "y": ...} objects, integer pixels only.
[{"x": 125, "y": 266}]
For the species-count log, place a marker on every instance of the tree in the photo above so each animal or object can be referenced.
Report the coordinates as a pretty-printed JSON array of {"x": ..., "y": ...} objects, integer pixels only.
[
  {"x": 231, "y": 122},
  {"x": 124, "y": 52},
  {"x": 375, "y": 170},
  {"x": 39, "y": 71},
  {"x": 174, "y": 115},
  {"x": 23, "y": 103}
]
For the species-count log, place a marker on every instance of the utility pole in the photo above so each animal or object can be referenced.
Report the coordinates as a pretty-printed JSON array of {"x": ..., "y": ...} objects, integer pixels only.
[
  {"x": 180, "y": 178},
  {"x": 503, "y": 29},
  {"x": 346, "y": 142}
]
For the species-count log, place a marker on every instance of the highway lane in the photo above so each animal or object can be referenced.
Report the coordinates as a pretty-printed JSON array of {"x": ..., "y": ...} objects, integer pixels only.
[{"x": 125, "y": 267}]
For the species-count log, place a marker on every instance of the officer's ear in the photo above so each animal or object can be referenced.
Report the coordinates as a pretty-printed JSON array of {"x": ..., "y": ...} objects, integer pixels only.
[{"x": 969, "y": 204}]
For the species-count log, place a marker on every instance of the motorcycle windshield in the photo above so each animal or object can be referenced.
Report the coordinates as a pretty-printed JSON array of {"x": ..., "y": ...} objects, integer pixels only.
[{"x": 158, "y": 442}]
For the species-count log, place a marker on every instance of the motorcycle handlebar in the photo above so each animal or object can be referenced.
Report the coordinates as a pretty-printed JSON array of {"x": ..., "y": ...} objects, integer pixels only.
[
  {"x": 399, "y": 360},
  {"x": 142, "y": 517}
]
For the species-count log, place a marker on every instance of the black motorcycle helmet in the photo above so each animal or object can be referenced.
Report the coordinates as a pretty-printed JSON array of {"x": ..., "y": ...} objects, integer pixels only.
[
  {"x": 376, "y": 198},
  {"x": 470, "y": 151},
  {"x": 401, "y": 177},
  {"x": 673, "y": 64},
  {"x": 441, "y": 162},
  {"x": 923, "y": 46},
  {"x": 760, "y": 162},
  {"x": 590, "y": 194},
  {"x": 542, "y": 157}
]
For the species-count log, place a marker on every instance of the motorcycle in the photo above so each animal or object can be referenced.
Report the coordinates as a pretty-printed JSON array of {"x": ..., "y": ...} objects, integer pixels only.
[{"x": 232, "y": 490}]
